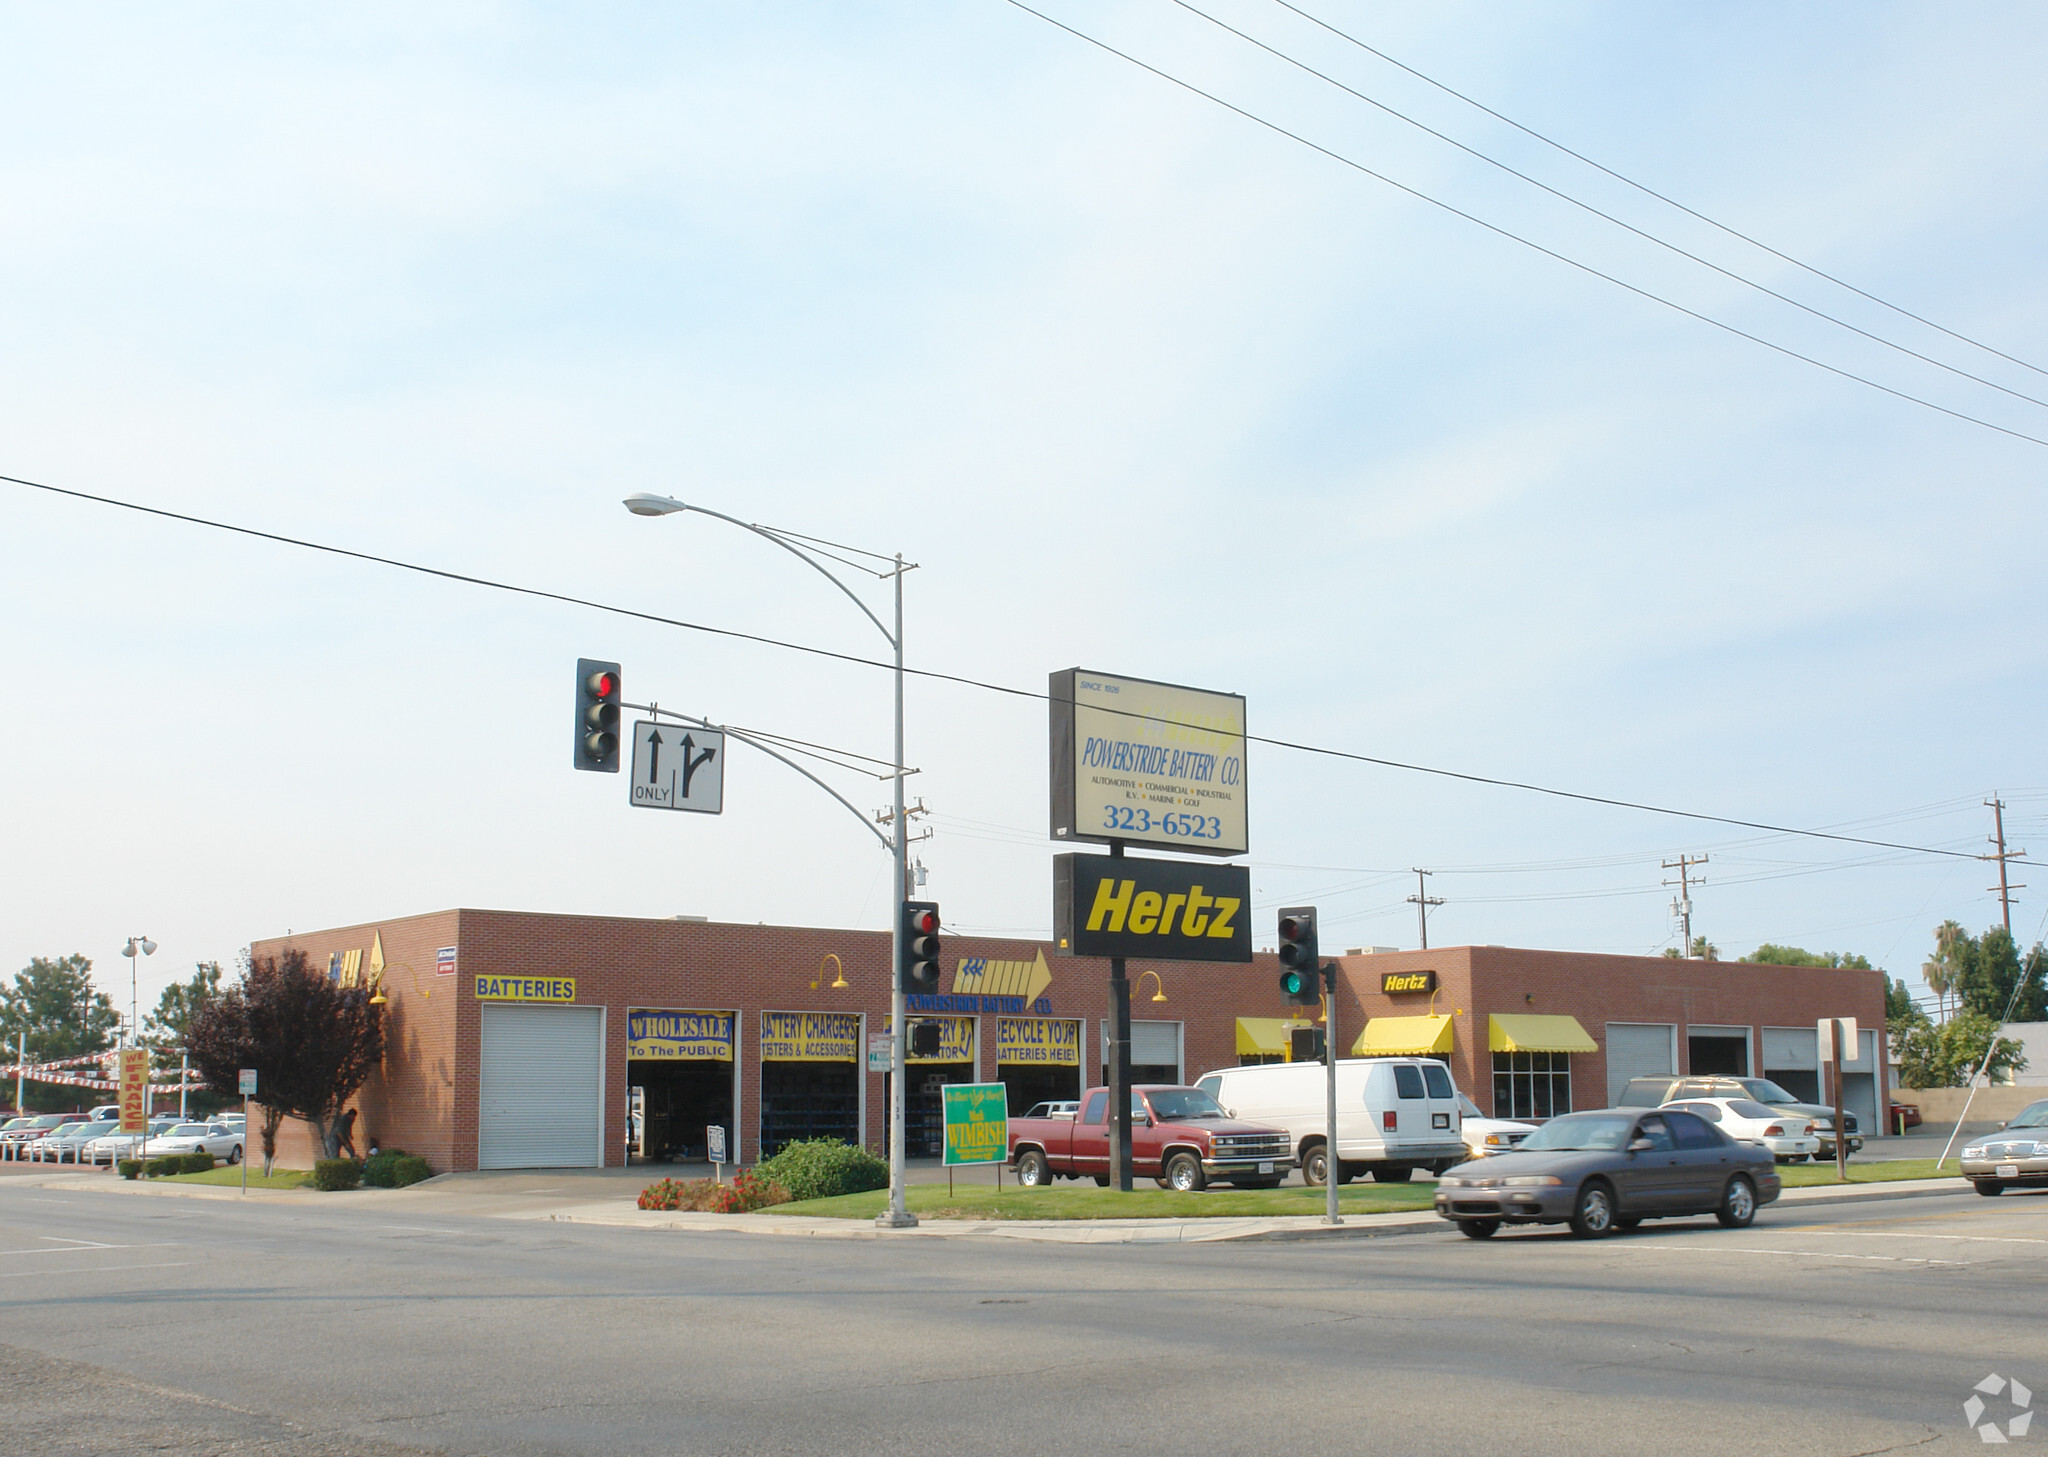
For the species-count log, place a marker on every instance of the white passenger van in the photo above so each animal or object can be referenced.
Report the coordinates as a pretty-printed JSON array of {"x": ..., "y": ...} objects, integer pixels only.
[{"x": 1394, "y": 1114}]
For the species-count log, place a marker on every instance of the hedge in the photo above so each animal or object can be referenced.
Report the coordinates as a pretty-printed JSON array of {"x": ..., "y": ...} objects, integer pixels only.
[
  {"x": 394, "y": 1168},
  {"x": 819, "y": 1168},
  {"x": 332, "y": 1175}
]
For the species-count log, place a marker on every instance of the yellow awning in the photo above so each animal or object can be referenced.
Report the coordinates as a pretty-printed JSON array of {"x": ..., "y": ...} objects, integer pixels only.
[
  {"x": 1265, "y": 1036},
  {"x": 1529, "y": 1032},
  {"x": 1392, "y": 1036}
]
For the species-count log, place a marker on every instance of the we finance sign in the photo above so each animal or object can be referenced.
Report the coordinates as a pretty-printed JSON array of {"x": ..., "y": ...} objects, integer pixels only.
[{"x": 1154, "y": 910}]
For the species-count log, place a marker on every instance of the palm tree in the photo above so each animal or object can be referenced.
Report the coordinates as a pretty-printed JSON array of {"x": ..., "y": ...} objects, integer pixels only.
[{"x": 1944, "y": 970}]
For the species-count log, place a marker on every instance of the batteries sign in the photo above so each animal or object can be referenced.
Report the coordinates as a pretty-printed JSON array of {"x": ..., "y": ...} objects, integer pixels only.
[
  {"x": 1155, "y": 910},
  {"x": 1147, "y": 763}
]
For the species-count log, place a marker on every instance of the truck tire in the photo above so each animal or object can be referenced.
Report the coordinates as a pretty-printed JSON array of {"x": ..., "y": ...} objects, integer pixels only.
[
  {"x": 1315, "y": 1165},
  {"x": 1033, "y": 1172},
  {"x": 1184, "y": 1172}
]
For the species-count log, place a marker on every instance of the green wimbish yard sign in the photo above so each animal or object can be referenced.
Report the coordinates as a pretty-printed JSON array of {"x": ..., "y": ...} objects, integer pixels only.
[{"x": 977, "y": 1123}]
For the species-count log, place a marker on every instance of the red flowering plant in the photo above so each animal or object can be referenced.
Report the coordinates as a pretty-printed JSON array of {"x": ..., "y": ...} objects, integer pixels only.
[{"x": 747, "y": 1191}]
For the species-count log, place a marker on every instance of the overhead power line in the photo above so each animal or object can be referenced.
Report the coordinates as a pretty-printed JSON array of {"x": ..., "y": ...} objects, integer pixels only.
[
  {"x": 1588, "y": 207},
  {"x": 1530, "y": 243},
  {"x": 1664, "y": 198},
  {"x": 934, "y": 675}
]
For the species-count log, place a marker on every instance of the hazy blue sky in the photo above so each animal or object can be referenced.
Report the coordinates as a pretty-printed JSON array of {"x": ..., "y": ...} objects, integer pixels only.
[{"x": 1142, "y": 386}]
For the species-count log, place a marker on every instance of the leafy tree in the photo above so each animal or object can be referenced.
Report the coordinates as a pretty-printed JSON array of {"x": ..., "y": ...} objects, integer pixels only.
[
  {"x": 311, "y": 1042},
  {"x": 1995, "y": 983},
  {"x": 1900, "y": 1010},
  {"x": 168, "y": 1026},
  {"x": 1702, "y": 950},
  {"x": 1800, "y": 956},
  {"x": 1948, "y": 1054},
  {"x": 53, "y": 1010}
]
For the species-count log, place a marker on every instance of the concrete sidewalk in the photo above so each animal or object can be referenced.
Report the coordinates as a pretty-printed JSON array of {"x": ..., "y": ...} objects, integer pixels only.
[{"x": 609, "y": 1197}]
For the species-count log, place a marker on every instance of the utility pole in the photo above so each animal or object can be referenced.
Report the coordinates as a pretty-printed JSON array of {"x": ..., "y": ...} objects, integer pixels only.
[
  {"x": 1422, "y": 900},
  {"x": 1682, "y": 907},
  {"x": 1997, "y": 808}
]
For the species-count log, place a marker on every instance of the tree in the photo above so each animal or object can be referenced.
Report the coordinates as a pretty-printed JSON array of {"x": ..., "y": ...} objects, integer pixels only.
[
  {"x": 1948, "y": 1055},
  {"x": 311, "y": 1042},
  {"x": 1800, "y": 956},
  {"x": 1702, "y": 950},
  {"x": 1953, "y": 950},
  {"x": 167, "y": 1027},
  {"x": 54, "y": 1012},
  {"x": 1995, "y": 983},
  {"x": 1900, "y": 1010}
]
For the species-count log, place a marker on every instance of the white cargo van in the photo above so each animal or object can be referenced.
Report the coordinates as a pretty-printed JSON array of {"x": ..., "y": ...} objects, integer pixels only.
[{"x": 1394, "y": 1114}]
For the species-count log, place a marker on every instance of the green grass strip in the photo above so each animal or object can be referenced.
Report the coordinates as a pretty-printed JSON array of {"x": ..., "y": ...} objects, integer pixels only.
[
  {"x": 232, "y": 1177},
  {"x": 1877, "y": 1171},
  {"x": 931, "y": 1201}
]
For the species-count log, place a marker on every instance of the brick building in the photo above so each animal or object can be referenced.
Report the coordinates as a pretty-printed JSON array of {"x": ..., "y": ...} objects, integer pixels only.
[{"x": 523, "y": 1040}]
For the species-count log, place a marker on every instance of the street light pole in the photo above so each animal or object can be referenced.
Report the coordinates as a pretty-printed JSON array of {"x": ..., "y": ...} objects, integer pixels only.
[
  {"x": 137, "y": 947},
  {"x": 896, "y": 1216}
]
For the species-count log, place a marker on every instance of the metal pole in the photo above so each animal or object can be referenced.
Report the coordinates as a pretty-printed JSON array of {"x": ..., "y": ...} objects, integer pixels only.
[
  {"x": 1841, "y": 1127},
  {"x": 897, "y": 1216},
  {"x": 20, "y": 1066},
  {"x": 184, "y": 1076},
  {"x": 1330, "y": 1161},
  {"x": 245, "y": 1143},
  {"x": 1119, "y": 1066}
]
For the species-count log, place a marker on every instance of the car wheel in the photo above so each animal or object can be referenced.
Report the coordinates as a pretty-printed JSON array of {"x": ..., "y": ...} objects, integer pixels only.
[
  {"x": 1593, "y": 1215},
  {"x": 1989, "y": 1188},
  {"x": 1184, "y": 1173},
  {"x": 1102, "y": 1181},
  {"x": 1738, "y": 1203},
  {"x": 234, "y": 1155},
  {"x": 1393, "y": 1174},
  {"x": 1479, "y": 1228},
  {"x": 1628, "y": 1221},
  {"x": 1315, "y": 1165},
  {"x": 1033, "y": 1172}
]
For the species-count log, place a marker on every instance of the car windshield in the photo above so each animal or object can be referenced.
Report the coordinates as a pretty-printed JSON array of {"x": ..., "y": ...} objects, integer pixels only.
[
  {"x": 190, "y": 1130},
  {"x": 1580, "y": 1130},
  {"x": 1173, "y": 1105},
  {"x": 2034, "y": 1115},
  {"x": 1766, "y": 1091}
]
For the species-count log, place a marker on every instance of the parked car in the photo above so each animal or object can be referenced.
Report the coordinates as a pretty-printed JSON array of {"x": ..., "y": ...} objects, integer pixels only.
[
  {"x": 2015, "y": 1157},
  {"x": 106, "y": 1113},
  {"x": 1484, "y": 1135},
  {"x": 40, "y": 1125},
  {"x": 1394, "y": 1114},
  {"x": 67, "y": 1144},
  {"x": 1657, "y": 1091},
  {"x": 111, "y": 1147},
  {"x": 1609, "y": 1170},
  {"x": 1179, "y": 1136},
  {"x": 1905, "y": 1115},
  {"x": 1791, "y": 1139},
  {"x": 217, "y": 1139},
  {"x": 1058, "y": 1108}
]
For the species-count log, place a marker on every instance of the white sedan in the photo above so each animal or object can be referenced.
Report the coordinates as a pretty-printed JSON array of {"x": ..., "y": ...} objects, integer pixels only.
[
  {"x": 1484, "y": 1135},
  {"x": 218, "y": 1139},
  {"x": 114, "y": 1147},
  {"x": 1788, "y": 1136}
]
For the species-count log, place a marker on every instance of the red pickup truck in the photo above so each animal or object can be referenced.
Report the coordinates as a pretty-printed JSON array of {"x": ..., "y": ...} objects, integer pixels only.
[{"x": 1179, "y": 1136}]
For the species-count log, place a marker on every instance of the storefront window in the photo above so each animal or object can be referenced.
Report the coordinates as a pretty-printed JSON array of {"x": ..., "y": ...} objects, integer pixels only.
[{"x": 1531, "y": 1084}]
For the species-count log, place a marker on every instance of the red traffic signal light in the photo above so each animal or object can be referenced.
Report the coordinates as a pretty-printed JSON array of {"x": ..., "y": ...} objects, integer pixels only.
[
  {"x": 918, "y": 970},
  {"x": 597, "y": 716}
]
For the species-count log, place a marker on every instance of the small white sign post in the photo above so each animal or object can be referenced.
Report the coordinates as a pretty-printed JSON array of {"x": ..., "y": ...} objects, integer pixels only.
[
  {"x": 248, "y": 1084},
  {"x": 714, "y": 1139},
  {"x": 1837, "y": 1046}
]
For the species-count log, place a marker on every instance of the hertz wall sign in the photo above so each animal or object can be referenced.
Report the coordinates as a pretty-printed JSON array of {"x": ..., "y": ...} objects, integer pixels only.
[
  {"x": 1156, "y": 910},
  {"x": 1393, "y": 983}
]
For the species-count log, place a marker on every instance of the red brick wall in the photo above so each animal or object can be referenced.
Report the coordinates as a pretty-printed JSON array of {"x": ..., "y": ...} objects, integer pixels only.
[{"x": 425, "y": 1099}]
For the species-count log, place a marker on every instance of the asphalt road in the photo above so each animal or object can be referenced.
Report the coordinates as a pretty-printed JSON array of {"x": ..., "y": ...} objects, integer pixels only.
[{"x": 171, "y": 1325}]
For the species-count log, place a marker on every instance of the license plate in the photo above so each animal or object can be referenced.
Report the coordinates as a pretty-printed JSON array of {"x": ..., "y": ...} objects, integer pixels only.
[
  {"x": 2008, "y": 1171},
  {"x": 1265, "y": 1166}
]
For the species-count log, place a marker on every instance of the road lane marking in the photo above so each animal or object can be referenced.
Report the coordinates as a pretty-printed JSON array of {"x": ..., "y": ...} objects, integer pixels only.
[
  {"x": 92, "y": 1270},
  {"x": 84, "y": 1248},
  {"x": 1796, "y": 1254},
  {"x": 1989, "y": 1239}
]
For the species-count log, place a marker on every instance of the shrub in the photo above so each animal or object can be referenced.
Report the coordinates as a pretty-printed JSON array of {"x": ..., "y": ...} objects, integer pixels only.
[
  {"x": 170, "y": 1163},
  {"x": 819, "y": 1168},
  {"x": 332, "y": 1175},
  {"x": 129, "y": 1168},
  {"x": 747, "y": 1191},
  {"x": 409, "y": 1168},
  {"x": 196, "y": 1163},
  {"x": 394, "y": 1168}
]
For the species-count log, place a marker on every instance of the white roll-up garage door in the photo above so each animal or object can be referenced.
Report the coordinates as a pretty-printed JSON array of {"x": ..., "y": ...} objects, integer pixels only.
[
  {"x": 1153, "y": 1044},
  {"x": 1638, "y": 1050},
  {"x": 541, "y": 1100}
]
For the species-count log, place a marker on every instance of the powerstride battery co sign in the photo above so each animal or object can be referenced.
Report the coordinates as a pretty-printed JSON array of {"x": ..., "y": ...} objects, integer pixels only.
[{"x": 1143, "y": 763}]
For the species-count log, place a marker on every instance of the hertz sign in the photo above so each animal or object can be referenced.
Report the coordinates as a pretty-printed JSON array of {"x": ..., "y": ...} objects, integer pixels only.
[
  {"x": 1153, "y": 910},
  {"x": 1393, "y": 983}
]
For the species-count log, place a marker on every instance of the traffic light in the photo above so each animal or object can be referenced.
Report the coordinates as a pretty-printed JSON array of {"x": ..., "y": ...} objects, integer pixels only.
[
  {"x": 597, "y": 716},
  {"x": 918, "y": 972},
  {"x": 1301, "y": 959},
  {"x": 925, "y": 1039}
]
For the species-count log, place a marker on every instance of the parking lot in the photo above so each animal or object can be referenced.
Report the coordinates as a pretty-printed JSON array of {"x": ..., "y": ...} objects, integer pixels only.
[{"x": 303, "y": 1327}]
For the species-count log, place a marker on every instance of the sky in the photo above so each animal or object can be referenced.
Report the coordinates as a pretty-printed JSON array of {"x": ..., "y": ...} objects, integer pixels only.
[{"x": 1139, "y": 383}]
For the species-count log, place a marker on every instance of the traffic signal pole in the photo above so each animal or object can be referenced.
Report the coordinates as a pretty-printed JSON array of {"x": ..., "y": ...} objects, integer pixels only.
[
  {"x": 898, "y": 1215},
  {"x": 1119, "y": 1064},
  {"x": 1330, "y": 1163}
]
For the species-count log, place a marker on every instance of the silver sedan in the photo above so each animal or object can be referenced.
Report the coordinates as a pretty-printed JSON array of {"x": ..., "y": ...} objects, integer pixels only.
[
  {"x": 2015, "y": 1157},
  {"x": 217, "y": 1139}
]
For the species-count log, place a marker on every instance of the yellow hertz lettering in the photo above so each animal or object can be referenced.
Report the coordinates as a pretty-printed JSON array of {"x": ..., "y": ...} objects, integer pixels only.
[
  {"x": 1119, "y": 903},
  {"x": 1411, "y": 981}
]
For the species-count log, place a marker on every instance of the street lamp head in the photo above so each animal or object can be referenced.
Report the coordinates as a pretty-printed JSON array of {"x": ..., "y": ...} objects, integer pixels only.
[
  {"x": 644, "y": 504},
  {"x": 139, "y": 945}
]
